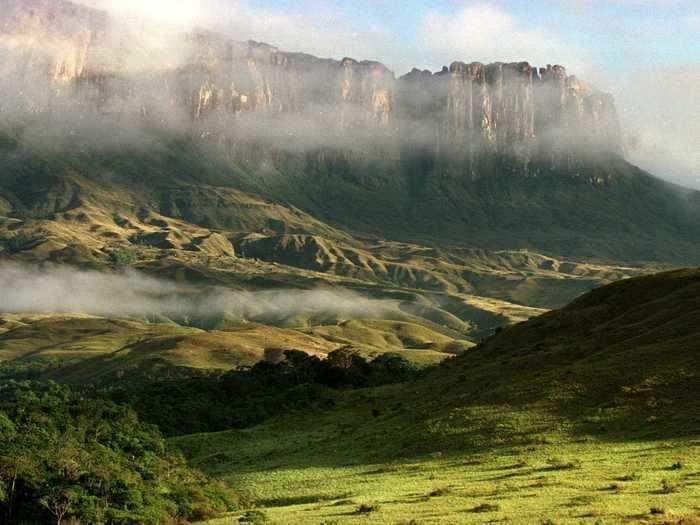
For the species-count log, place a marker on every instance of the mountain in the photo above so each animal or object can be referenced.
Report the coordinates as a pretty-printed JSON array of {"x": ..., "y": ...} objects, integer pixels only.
[
  {"x": 584, "y": 414},
  {"x": 463, "y": 200},
  {"x": 497, "y": 156},
  {"x": 58, "y": 50}
]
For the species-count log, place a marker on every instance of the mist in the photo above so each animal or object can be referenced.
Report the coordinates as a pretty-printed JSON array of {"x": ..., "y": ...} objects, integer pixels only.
[
  {"x": 62, "y": 290},
  {"x": 660, "y": 111},
  {"x": 152, "y": 83}
]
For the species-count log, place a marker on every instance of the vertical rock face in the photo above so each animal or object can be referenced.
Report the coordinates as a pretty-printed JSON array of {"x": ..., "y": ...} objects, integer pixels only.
[
  {"x": 467, "y": 111},
  {"x": 460, "y": 118},
  {"x": 229, "y": 78},
  {"x": 53, "y": 36}
]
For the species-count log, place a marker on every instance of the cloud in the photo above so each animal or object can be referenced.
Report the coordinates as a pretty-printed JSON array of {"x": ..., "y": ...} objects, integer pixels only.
[
  {"x": 321, "y": 30},
  {"x": 57, "y": 289},
  {"x": 643, "y": 3},
  {"x": 660, "y": 111},
  {"x": 693, "y": 22},
  {"x": 486, "y": 32}
]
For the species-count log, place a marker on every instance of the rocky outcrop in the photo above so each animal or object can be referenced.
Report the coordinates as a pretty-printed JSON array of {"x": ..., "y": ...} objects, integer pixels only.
[
  {"x": 224, "y": 79},
  {"x": 252, "y": 95},
  {"x": 54, "y": 37},
  {"x": 469, "y": 111}
]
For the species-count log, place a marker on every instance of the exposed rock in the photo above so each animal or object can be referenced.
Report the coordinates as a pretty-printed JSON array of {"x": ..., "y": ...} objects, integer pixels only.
[{"x": 255, "y": 99}]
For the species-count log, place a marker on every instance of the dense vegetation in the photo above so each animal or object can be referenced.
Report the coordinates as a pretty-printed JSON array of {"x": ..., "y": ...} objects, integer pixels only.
[
  {"x": 243, "y": 398},
  {"x": 66, "y": 458},
  {"x": 84, "y": 456}
]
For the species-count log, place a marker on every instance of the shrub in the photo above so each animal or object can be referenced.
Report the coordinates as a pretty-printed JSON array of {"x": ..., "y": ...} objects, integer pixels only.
[
  {"x": 366, "y": 508},
  {"x": 254, "y": 517},
  {"x": 669, "y": 487},
  {"x": 18, "y": 242},
  {"x": 123, "y": 257},
  {"x": 486, "y": 507}
]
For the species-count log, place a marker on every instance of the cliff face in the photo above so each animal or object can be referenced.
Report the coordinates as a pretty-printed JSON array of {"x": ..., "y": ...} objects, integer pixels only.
[
  {"x": 52, "y": 37},
  {"x": 247, "y": 92},
  {"x": 512, "y": 110},
  {"x": 242, "y": 77}
]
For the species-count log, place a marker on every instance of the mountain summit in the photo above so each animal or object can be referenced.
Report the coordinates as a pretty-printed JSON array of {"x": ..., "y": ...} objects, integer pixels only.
[{"x": 464, "y": 112}]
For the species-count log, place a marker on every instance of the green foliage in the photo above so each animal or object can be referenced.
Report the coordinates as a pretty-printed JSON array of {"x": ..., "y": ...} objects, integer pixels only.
[
  {"x": 254, "y": 517},
  {"x": 63, "y": 456},
  {"x": 123, "y": 257},
  {"x": 17, "y": 242},
  {"x": 243, "y": 398}
]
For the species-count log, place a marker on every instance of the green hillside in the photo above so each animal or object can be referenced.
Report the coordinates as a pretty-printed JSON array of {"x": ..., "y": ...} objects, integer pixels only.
[
  {"x": 583, "y": 415},
  {"x": 185, "y": 214}
]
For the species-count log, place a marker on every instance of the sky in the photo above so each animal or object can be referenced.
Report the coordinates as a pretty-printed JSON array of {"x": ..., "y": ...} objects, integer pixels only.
[
  {"x": 646, "y": 52},
  {"x": 607, "y": 34}
]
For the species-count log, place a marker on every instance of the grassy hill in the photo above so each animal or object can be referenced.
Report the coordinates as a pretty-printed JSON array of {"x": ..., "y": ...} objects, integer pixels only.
[
  {"x": 185, "y": 214},
  {"x": 82, "y": 349},
  {"x": 587, "y": 414}
]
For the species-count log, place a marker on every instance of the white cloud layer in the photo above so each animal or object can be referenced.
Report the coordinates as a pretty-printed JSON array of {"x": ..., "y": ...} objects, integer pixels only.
[
  {"x": 321, "y": 30},
  {"x": 660, "y": 111},
  {"x": 60, "y": 289},
  {"x": 486, "y": 32}
]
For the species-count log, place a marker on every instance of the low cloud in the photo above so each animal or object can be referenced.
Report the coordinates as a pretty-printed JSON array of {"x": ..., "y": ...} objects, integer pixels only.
[
  {"x": 57, "y": 289},
  {"x": 693, "y": 23},
  {"x": 660, "y": 111},
  {"x": 486, "y": 32},
  {"x": 327, "y": 31}
]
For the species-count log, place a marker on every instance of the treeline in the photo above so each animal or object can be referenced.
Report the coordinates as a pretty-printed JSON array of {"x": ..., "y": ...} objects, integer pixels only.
[
  {"x": 85, "y": 456},
  {"x": 65, "y": 458},
  {"x": 286, "y": 381}
]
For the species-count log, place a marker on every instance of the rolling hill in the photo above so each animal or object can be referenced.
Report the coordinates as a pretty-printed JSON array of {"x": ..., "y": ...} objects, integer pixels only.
[{"x": 583, "y": 414}]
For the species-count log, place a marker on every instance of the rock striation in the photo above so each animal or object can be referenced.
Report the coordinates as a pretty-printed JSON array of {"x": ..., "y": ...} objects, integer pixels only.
[{"x": 56, "y": 54}]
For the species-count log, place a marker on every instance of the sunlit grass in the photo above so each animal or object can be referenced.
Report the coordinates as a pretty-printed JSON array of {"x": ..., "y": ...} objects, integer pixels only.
[{"x": 565, "y": 482}]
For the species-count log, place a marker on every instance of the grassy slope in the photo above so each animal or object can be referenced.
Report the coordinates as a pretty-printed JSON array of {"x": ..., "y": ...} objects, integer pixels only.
[
  {"x": 189, "y": 223},
  {"x": 85, "y": 349},
  {"x": 632, "y": 216},
  {"x": 576, "y": 416}
]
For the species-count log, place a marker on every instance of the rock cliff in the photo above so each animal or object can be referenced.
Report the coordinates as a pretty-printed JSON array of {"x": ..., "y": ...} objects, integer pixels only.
[{"x": 54, "y": 52}]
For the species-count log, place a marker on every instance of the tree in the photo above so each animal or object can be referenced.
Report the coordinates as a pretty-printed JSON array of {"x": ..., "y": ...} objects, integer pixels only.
[
  {"x": 59, "y": 502},
  {"x": 93, "y": 461}
]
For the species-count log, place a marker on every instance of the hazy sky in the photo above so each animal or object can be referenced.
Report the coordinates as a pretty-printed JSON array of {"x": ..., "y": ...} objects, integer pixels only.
[
  {"x": 646, "y": 52},
  {"x": 612, "y": 34}
]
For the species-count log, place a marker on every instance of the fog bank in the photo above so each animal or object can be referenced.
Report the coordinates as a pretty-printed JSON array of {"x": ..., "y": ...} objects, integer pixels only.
[{"x": 57, "y": 289}]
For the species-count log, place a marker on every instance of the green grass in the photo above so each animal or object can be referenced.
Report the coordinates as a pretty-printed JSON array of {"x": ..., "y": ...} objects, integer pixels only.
[
  {"x": 564, "y": 481},
  {"x": 584, "y": 415}
]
